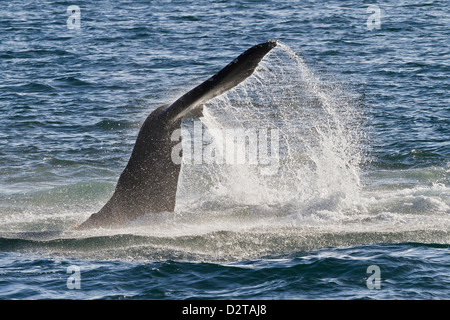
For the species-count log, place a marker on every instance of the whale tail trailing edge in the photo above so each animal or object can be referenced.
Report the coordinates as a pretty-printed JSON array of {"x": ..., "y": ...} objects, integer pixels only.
[
  {"x": 149, "y": 181},
  {"x": 227, "y": 78}
]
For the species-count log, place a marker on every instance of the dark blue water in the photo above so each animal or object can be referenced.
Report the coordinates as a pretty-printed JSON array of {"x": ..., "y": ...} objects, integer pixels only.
[{"x": 72, "y": 102}]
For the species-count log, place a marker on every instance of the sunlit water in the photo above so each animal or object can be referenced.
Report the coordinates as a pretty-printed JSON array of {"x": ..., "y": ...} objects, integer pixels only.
[{"x": 356, "y": 171}]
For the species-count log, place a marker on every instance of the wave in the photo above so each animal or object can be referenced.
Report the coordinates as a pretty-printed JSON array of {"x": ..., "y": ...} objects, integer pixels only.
[
  {"x": 214, "y": 246},
  {"x": 31, "y": 87},
  {"x": 71, "y": 81},
  {"x": 326, "y": 273}
]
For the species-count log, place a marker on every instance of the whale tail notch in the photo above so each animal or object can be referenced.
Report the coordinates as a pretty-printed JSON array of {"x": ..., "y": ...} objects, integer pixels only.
[{"x": 149, "y": 181}]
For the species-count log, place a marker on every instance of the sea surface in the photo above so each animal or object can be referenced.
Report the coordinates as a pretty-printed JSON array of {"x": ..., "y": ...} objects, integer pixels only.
[{"x": 366, "y": 216}]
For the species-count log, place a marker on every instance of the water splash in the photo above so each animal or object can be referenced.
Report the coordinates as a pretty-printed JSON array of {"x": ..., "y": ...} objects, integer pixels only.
[{"x": 315, "y": 152}]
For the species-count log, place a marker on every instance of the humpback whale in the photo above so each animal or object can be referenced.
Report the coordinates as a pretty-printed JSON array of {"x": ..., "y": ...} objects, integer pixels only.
[{"x": 149, "y": 181}]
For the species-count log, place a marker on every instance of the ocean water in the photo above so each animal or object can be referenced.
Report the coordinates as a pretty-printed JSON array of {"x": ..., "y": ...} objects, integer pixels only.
[{"x": 359, "y": 204}]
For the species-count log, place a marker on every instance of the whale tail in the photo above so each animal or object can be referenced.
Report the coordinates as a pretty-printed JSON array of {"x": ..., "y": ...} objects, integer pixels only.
[{"x": 149, "y": 181}]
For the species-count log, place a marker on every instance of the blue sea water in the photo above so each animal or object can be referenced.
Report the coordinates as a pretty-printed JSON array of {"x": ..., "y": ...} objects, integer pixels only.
[{"x": 73, "y": 99}]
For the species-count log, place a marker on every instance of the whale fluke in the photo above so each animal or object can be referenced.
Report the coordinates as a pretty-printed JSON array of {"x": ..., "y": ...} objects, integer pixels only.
[{"x": 149, "y": 181}]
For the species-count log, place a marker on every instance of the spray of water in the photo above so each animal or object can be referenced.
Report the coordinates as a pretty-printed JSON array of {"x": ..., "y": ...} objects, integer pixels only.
[{"x": 299, "y": 144}]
